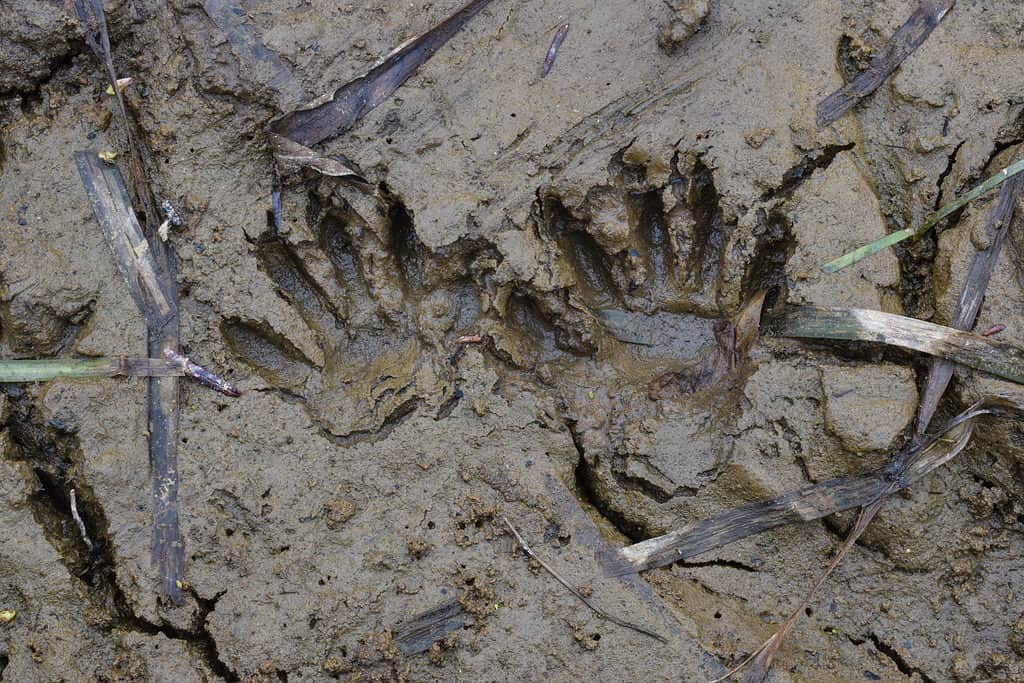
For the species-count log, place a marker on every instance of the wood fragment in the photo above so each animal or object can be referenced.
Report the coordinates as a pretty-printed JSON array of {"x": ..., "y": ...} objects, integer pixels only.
[
  {"x": 468, "y": 339},
  {"x": 556, "y": 42},
  {"x": 162, "y": 397},
  {"x": 572, "y": 589},
  {"x": 293, "y": 135},
  {"x": 135, "y": 261},
  {"x": 906, "y": 39},
  {"x": 334, "y": 113},
  {"x": 78, "y": 520}
]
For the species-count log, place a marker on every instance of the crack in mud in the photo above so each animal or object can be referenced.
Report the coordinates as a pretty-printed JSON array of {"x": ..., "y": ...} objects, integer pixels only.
[
  {"x": 897, "y": 659},
  {"x": 950, "y": 162},
  {"x": 53, "y": 459},
  {"x": 794, "y": 177},
  {"x": 586, "y": 491},
  {"x": 731, "y": 564}
]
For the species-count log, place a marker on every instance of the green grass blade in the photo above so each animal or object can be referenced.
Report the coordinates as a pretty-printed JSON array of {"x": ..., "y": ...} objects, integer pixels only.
[
  {"x": 47, "y": 370},
  {"x": 862, "y": 253},
  {"x": 929, "y": 221}
]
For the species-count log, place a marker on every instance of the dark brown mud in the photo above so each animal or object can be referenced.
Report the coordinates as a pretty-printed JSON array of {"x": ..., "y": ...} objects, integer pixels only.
[{"x": 592, "y": 227}]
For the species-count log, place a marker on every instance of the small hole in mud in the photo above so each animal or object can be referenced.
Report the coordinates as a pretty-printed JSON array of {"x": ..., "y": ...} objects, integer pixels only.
[
  {"x": 513, "y": 114},
  {"x": 388, "y": 140},
  {"x": 321, "y": 582},
  {"x": 595, "y": 636},
  {"x": 478, "y": 523},
  {"x": 431, "y": 525},
  {"x": 808, "y": 611},
  {"x": 718, "y": 615},
  {"x": 229, "y": 532},
  {"x": 470, "y": 581},
  {"x": 184, "y": 439},
  {"x": 461, "y": 525},
  {"x": 344, "y": 652}
]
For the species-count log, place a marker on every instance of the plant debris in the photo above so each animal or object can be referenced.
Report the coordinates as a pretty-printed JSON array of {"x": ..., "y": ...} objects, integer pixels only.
[
  {"x": 423, "y": 630},
  {"x": 575, "y": 591},
  {"x": 811, "y": 502},
  {"x": 997, "y": 225},
  {"x": 150, "y": 274},
  {"x": 556, "y": 42},
  {"x": 293, "y": 134},
  {"x": 906, "y": 39},
  {"x": 78, "y": 520},
  {"x": 858, "y": 324},
  {"x": 929, "y": 221}
]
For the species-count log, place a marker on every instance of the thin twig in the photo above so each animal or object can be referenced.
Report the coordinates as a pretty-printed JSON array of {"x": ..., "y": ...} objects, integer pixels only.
[
  {"x": 572, "y": 589},
  {"x": 78, "y": 520}
]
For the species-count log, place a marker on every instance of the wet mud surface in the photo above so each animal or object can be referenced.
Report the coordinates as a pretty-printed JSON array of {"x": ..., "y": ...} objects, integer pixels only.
[{"x": 594, "y": 228}]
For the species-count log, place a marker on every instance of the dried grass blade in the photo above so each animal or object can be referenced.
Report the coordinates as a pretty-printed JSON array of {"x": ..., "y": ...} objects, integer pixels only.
[
  {"x": 134, "y": 258},
  {"x": 809, "y": 503},
  {"x": 906, "y": 39},
  {"x": 291, "y": 156},
  {"x": 858, "y": 324},
  {"x": 997, "y": 225},
  {"x": 572, "y": 589},
  {"x": 330, "y": 115}
]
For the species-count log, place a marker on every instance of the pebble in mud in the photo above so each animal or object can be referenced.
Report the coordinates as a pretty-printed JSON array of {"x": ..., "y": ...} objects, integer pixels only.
[{"x": 688, "y": 17}]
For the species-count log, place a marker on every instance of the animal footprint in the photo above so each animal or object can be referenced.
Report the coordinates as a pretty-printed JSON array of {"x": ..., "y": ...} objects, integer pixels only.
[
  {"x": 376, "y": 307},
  {"x": 618, "y": 289}
]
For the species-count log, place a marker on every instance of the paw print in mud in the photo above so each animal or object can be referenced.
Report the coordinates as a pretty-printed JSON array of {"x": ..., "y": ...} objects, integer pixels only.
[
  {"x": 637, "y": 314},
  {"x": 605, "y": 301},
  {"x": 623, "y": 287},
  {"x": 379, "y": 310}
]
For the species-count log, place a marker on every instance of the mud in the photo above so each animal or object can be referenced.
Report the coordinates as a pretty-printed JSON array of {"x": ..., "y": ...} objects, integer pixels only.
[{"x": 593, "y": 227}]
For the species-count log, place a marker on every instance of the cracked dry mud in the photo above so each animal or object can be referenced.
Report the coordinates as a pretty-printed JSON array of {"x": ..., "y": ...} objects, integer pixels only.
[{"x": 594, "y": 228}]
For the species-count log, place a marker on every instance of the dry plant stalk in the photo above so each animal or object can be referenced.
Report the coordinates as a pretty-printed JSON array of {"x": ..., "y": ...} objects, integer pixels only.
[{"x": 575, "y": 591}]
